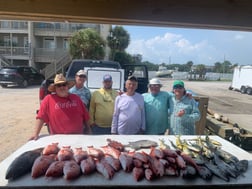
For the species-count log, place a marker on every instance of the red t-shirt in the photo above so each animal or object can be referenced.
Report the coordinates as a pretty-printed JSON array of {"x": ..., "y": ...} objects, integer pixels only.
[{"x": 64, "y": 115}]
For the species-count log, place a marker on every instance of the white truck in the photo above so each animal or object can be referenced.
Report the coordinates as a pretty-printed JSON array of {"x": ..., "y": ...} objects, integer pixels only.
[{"x": 242, "y": 79}]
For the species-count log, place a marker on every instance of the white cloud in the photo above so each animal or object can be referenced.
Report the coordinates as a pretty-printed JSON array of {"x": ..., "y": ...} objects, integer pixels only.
[{"x": 168, "y": 47}]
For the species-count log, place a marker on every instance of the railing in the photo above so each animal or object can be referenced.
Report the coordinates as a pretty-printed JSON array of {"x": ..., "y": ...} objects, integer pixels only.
[
  {"x": 14, "y": 51},
  {"x": 57, "y": 66},
  {"x": 4, "y": 61}
]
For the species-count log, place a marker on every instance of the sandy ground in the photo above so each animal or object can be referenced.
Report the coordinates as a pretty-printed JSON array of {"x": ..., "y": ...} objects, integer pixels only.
[{"x": 18, "y": 109}]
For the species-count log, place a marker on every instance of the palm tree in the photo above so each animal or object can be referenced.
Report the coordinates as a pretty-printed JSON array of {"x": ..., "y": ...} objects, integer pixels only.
[
  {"x": 88, "y": 44},
  {"x": 118, "y": 40}
]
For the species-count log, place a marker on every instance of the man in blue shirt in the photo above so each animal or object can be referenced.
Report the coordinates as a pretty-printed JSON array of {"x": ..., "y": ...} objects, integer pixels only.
[
  {"x": 79, "y": 88},
  {"x": 156, "y": 108},
  {"x": 184, "y": 111}
]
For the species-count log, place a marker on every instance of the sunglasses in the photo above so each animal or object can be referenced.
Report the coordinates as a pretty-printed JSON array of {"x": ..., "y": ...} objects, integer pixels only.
[
  {"x": 178, "y": 87},
  {"x": 61, "y": 85}
]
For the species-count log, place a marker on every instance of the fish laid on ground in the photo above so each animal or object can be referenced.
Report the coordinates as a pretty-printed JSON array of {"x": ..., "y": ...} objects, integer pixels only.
[
  {"x": 41, "y": 165},
  {"x": 141, "y": 144},
  {"x": 55, "y": 169},
  {"x": 79, "y": 155},
  {"x": 22, "y": 164},
  {"x": 149, "y": 175},
  {"x": 65, "y": 153},
  {"x": 51, "y": 149},
  {"x": 71, "y": 170}
]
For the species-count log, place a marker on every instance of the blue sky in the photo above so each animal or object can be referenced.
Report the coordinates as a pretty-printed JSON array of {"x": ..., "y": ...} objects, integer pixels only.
[{"x": 179, "y": 45}]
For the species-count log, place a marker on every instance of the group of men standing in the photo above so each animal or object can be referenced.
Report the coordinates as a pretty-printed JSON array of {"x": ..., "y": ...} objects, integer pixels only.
[{"x": 71, "y": 106}]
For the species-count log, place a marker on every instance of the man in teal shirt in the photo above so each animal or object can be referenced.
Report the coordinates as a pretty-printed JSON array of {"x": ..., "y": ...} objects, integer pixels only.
[{"x": 156, "y": 104}]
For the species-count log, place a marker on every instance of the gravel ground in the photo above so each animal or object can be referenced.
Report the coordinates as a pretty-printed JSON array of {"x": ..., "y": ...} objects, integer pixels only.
[{"x": 18, "y": 109}]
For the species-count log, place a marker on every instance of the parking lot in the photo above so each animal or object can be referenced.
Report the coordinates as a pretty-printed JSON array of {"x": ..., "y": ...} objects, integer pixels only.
[{"x": 19, "y": 105}]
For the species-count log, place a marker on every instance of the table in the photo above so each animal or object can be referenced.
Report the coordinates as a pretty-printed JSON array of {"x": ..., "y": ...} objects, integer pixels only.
[{"x": 121, "y": 178}]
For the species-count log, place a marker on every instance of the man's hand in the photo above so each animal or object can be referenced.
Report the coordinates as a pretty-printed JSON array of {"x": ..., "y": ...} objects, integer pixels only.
[{"x": 35, "y": 137}]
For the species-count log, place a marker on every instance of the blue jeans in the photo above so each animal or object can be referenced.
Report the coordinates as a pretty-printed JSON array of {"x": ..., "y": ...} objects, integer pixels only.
[{"x": 96, "y": 130}]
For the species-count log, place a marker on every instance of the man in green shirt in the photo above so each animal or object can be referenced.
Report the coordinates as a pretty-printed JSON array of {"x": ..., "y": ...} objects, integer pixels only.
[
  {"x": 156, "y": 104},
  {"x": 102, "y": 107}
]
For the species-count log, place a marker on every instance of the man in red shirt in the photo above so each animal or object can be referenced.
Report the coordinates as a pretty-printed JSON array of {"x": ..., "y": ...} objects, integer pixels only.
[{"x": 63, "y": 112}]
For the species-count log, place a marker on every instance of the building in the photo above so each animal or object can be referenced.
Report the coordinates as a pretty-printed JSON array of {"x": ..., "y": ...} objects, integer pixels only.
[{"x": 43, "y": 45}]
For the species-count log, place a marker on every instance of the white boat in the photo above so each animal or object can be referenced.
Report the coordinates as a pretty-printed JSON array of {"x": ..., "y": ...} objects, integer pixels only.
[{"x": 164, "y": 72}]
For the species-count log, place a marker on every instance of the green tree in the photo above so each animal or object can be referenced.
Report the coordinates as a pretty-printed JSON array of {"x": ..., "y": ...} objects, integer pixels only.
[
  {"x": 88, "y": 44},
  {"x": 189, "y": 65},
  {"x": 118, "y": 40},
  {"x": 201, "y": 70}
]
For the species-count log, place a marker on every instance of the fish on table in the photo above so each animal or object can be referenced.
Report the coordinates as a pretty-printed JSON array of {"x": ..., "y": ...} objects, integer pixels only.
[{"x": 22, "y": 164}]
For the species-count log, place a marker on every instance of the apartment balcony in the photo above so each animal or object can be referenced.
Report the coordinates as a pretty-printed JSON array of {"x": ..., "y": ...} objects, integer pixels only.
[
  {"x": 13, "y": 27},
  {"x": 59, "y": 29},
  {"x": 48, "y": 55},
  {"x": 18, "y": 53}
]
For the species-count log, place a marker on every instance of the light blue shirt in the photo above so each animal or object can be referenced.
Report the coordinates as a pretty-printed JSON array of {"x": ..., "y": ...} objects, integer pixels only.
[
  {"x": 156, "y": 112},
  {"x": 129, "y": 115},
  {"x": 83, "y": 93},
  {"x": 184, "y": 125}
]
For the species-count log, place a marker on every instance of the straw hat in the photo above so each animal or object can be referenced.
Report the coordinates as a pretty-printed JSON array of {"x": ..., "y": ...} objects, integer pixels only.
[{"x": 59, "y": 79}]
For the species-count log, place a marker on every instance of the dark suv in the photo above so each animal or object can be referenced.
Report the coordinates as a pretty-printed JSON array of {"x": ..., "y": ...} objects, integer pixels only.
[{"x": 20, "y": 75}]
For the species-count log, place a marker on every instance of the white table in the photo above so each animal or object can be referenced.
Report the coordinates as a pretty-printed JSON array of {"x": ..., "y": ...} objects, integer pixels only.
[{"x": 121, "y": 178}]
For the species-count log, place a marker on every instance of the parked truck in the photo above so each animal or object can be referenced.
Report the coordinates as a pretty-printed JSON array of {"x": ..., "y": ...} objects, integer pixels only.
[{"x": 242, "y": 79}]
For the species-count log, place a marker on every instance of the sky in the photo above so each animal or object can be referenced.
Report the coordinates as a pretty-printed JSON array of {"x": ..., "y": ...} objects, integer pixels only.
[{"x": 178, "y": 45}]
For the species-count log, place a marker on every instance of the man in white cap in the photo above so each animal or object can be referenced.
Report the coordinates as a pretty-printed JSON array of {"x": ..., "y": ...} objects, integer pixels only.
[
  {"x": 63, "y": 112},
  {"x": 156, "y": 105},
  {"x": 79, "y": 88},
  {"x": 102, "y": 107}
]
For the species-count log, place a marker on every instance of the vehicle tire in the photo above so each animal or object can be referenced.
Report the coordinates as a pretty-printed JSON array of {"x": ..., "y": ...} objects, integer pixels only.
[
  {"x": 243, "y": 89},
  {"x": 4, "y": 85},
  {"x": 249, "y": 91},
  {"x": 230, "y": 88},
  {"x": 24, "y": 84}
]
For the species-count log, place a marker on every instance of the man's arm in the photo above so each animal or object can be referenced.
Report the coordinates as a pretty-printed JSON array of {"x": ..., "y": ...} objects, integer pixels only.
[{"x": 38, "y": 125}]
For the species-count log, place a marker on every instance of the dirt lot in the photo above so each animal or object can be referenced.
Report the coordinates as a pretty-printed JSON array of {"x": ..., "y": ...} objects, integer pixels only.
[{"x": 18, "y": 107}]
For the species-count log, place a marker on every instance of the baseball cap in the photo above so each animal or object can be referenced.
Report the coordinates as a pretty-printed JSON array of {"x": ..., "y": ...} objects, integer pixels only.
[
  {"x": 178, "y": 82},
  {"x": 81, "y": 72},
  {"x": 132, "y": 78},
  {"x": 107, "y": 77}
]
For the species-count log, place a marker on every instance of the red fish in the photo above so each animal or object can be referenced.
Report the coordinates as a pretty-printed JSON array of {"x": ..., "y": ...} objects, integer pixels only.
[
  {"x": 51, "y": 149},
  {"x": 79, "y": 155},
  {"x": 115, "y": 144},
  {"x": 105, "y": 169},
  {"x": 111, "y": 151},
  {"x": 115, "y": 163},
  {"x": 41, "y": 165},
  {"x": 95, "y": 152},
  {"x": 126, "y": 162},
  {"x": 141, "y": 156},
  {"x": 156, "y": 153},
  {"x": 138, "y": 173},
  {"x": 87, "y": 165},
  {"x": 65, "y": 153},
  {"x": 55, "y": 169},
  {"x": 71, "y": 170}
]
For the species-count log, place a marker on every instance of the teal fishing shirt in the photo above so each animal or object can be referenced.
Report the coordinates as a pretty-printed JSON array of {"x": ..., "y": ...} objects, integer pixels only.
[
  {"x": 184, "y": 125},
  {"x": 156, "y": 112}
]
